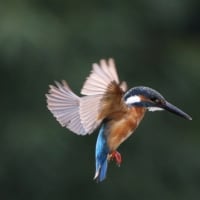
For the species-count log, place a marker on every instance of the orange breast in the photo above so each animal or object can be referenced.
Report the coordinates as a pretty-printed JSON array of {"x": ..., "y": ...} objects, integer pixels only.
[{"x": 122, "y": 125}]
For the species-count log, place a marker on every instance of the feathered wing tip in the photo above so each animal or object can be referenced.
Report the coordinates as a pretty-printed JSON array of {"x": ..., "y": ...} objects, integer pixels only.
[
  {"x": 101, "y": 76},
  {"x": 64, "y": 105}
]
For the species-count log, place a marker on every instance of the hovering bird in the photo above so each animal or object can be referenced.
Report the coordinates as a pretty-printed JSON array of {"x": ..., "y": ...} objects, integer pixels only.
[{"x": 105, "y": 103}]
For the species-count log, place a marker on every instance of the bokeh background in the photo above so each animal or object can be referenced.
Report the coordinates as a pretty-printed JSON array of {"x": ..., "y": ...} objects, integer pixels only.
[{"x": 154, "y": 42}]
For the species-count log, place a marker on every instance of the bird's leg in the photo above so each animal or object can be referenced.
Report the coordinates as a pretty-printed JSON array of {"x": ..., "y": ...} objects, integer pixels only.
[{"x": 115, "y": 155}]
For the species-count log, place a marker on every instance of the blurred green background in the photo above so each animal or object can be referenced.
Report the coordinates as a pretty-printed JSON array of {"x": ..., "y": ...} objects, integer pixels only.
[{"x": 154, "y": 42}]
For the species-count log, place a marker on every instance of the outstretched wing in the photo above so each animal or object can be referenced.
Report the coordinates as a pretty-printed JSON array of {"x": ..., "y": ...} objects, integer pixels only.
[
  {"x": 103, "y": 88},
  {"x": 103, "y": 95},
  {"x": 64, "y": 105}
]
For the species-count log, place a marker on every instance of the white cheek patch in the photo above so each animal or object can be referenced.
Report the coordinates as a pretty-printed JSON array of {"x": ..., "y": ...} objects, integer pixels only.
[
  {"x": 152, "y": 109},
  {"x": 133, "y": 99}
]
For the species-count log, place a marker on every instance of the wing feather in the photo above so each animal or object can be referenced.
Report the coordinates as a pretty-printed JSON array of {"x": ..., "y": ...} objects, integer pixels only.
[
  {"x": 89, "y": 110},
  {"x": 100, "y": 77},
  {"x": 64, "y": 105}
]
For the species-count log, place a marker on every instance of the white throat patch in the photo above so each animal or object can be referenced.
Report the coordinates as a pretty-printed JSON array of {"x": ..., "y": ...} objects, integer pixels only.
[
  {"x": 152, "y": 109},
  {"x": 133, "y": 99}
]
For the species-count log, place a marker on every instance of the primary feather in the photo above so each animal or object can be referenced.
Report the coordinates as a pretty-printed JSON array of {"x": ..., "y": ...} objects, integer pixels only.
[{"x": 65, "y": 105}]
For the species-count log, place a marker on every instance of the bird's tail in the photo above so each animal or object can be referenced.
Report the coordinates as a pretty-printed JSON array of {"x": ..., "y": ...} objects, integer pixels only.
[
  {"x": 101, "y": 170},
  {"x": 101, "y": 155}
]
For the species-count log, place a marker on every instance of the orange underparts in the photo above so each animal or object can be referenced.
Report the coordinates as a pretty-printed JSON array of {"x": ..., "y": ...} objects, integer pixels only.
[{"x": 115, "y": 155}]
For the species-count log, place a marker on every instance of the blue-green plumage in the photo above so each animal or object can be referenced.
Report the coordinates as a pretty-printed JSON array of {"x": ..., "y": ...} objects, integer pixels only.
[{"x": 101, "y": 155}]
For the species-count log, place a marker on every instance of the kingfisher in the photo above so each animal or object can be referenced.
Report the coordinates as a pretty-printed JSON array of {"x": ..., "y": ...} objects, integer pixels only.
[{"x": 105, "y": 102}]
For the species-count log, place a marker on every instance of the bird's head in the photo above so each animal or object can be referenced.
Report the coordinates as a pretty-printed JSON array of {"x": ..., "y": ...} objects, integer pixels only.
[{"x": 152, "y": 100}]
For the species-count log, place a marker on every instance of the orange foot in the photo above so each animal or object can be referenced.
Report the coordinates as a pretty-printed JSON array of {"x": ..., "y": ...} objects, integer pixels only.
[{"x": 115, "y": 155}]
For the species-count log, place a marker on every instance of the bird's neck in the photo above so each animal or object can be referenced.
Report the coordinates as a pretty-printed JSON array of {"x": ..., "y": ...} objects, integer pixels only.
[{"x": 137, "y": 114}]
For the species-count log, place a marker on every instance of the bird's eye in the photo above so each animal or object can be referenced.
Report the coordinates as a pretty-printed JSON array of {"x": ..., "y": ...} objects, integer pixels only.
[{"x": 156, "y": 100}]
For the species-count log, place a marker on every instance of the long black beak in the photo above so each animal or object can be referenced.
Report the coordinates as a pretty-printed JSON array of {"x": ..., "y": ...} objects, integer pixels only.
[{"x": 173, "y": 109}]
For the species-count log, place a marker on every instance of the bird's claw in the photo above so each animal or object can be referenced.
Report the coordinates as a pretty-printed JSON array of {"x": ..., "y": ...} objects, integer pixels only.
[{"x": 115, "y": 155}]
